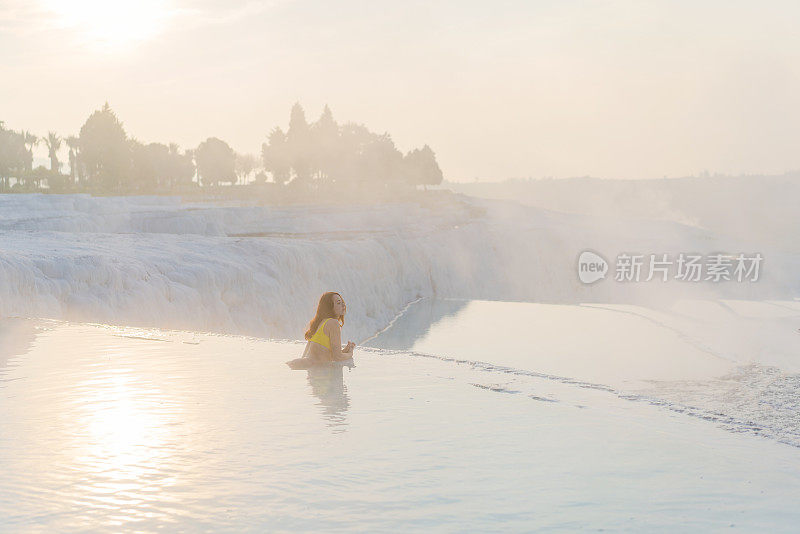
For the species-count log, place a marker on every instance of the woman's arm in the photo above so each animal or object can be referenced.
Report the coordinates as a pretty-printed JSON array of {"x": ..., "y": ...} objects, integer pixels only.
[{"x": 335, "y": 335}]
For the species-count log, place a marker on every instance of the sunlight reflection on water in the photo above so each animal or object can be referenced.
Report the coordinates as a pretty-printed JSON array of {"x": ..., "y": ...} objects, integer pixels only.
[{"x": 103, "y": 428}]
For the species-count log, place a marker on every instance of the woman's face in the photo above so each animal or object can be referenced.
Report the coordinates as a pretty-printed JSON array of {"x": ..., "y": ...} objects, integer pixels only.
[{"x": 339, "y": 307}]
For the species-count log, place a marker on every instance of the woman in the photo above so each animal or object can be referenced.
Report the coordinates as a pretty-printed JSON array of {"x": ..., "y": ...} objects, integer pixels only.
[{"x": 324, "y": 334}]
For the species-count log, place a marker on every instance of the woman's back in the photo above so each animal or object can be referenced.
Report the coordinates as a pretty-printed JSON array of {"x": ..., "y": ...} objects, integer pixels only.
[{"x": 321, "y": 337}]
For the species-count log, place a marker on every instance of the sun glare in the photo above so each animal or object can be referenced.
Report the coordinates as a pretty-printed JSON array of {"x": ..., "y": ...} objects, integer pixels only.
[{"x": 110, "y": 24}]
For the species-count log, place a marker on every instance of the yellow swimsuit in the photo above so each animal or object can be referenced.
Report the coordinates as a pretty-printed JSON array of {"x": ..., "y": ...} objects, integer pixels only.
[{"x": 320, "y": 337}]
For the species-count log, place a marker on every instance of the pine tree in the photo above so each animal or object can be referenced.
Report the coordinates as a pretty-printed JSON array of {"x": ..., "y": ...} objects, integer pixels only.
[
  {"x": 105, "y": 151},
  {"x": 298, "y": 138}
]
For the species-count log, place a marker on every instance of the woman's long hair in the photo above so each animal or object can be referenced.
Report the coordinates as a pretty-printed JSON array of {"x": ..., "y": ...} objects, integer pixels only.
[{"x": 324, "y": 311}]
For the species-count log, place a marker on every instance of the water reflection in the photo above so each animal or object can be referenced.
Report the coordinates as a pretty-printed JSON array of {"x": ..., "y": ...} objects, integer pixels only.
[
  {"x": 415, "y": 323},
  {"x": 107, "y": 433},
  {"x": 87, "y": 421},
  {"x": 580, "y": 342},
  {"x": 122, "y": 435},
  {"x": 327, "y": 384},
  {"x": 16, "y": 338}
]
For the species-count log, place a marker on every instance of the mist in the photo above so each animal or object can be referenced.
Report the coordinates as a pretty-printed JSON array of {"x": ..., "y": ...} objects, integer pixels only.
[
  {"x": 616, "y": 89},
  {"x": 316, "y": 266}
]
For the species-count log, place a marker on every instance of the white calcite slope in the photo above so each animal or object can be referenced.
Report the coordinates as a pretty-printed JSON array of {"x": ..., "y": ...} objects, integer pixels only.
[{"x": 154, "y": 261}]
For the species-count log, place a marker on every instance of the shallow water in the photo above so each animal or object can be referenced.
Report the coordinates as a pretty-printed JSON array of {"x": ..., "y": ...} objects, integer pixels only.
[
  {"x": 734, "y": 363},
  {"x": 110, "y": 428}
]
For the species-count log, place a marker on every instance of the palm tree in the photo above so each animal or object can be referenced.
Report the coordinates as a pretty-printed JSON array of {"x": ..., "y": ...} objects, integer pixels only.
[
  {"x": 72, "y": 143},
  {"x": 189, "y": 154},
  {"x": 30, "y": 141},
  {"x": 53, "y": 142}
]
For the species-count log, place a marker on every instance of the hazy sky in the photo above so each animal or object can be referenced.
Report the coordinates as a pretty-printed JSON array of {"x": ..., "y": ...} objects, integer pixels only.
[{"x": 623, "y": 89}]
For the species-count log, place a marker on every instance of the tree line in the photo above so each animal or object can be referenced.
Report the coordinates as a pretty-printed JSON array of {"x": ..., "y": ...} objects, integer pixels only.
[{"x": 103, "y": 158}]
